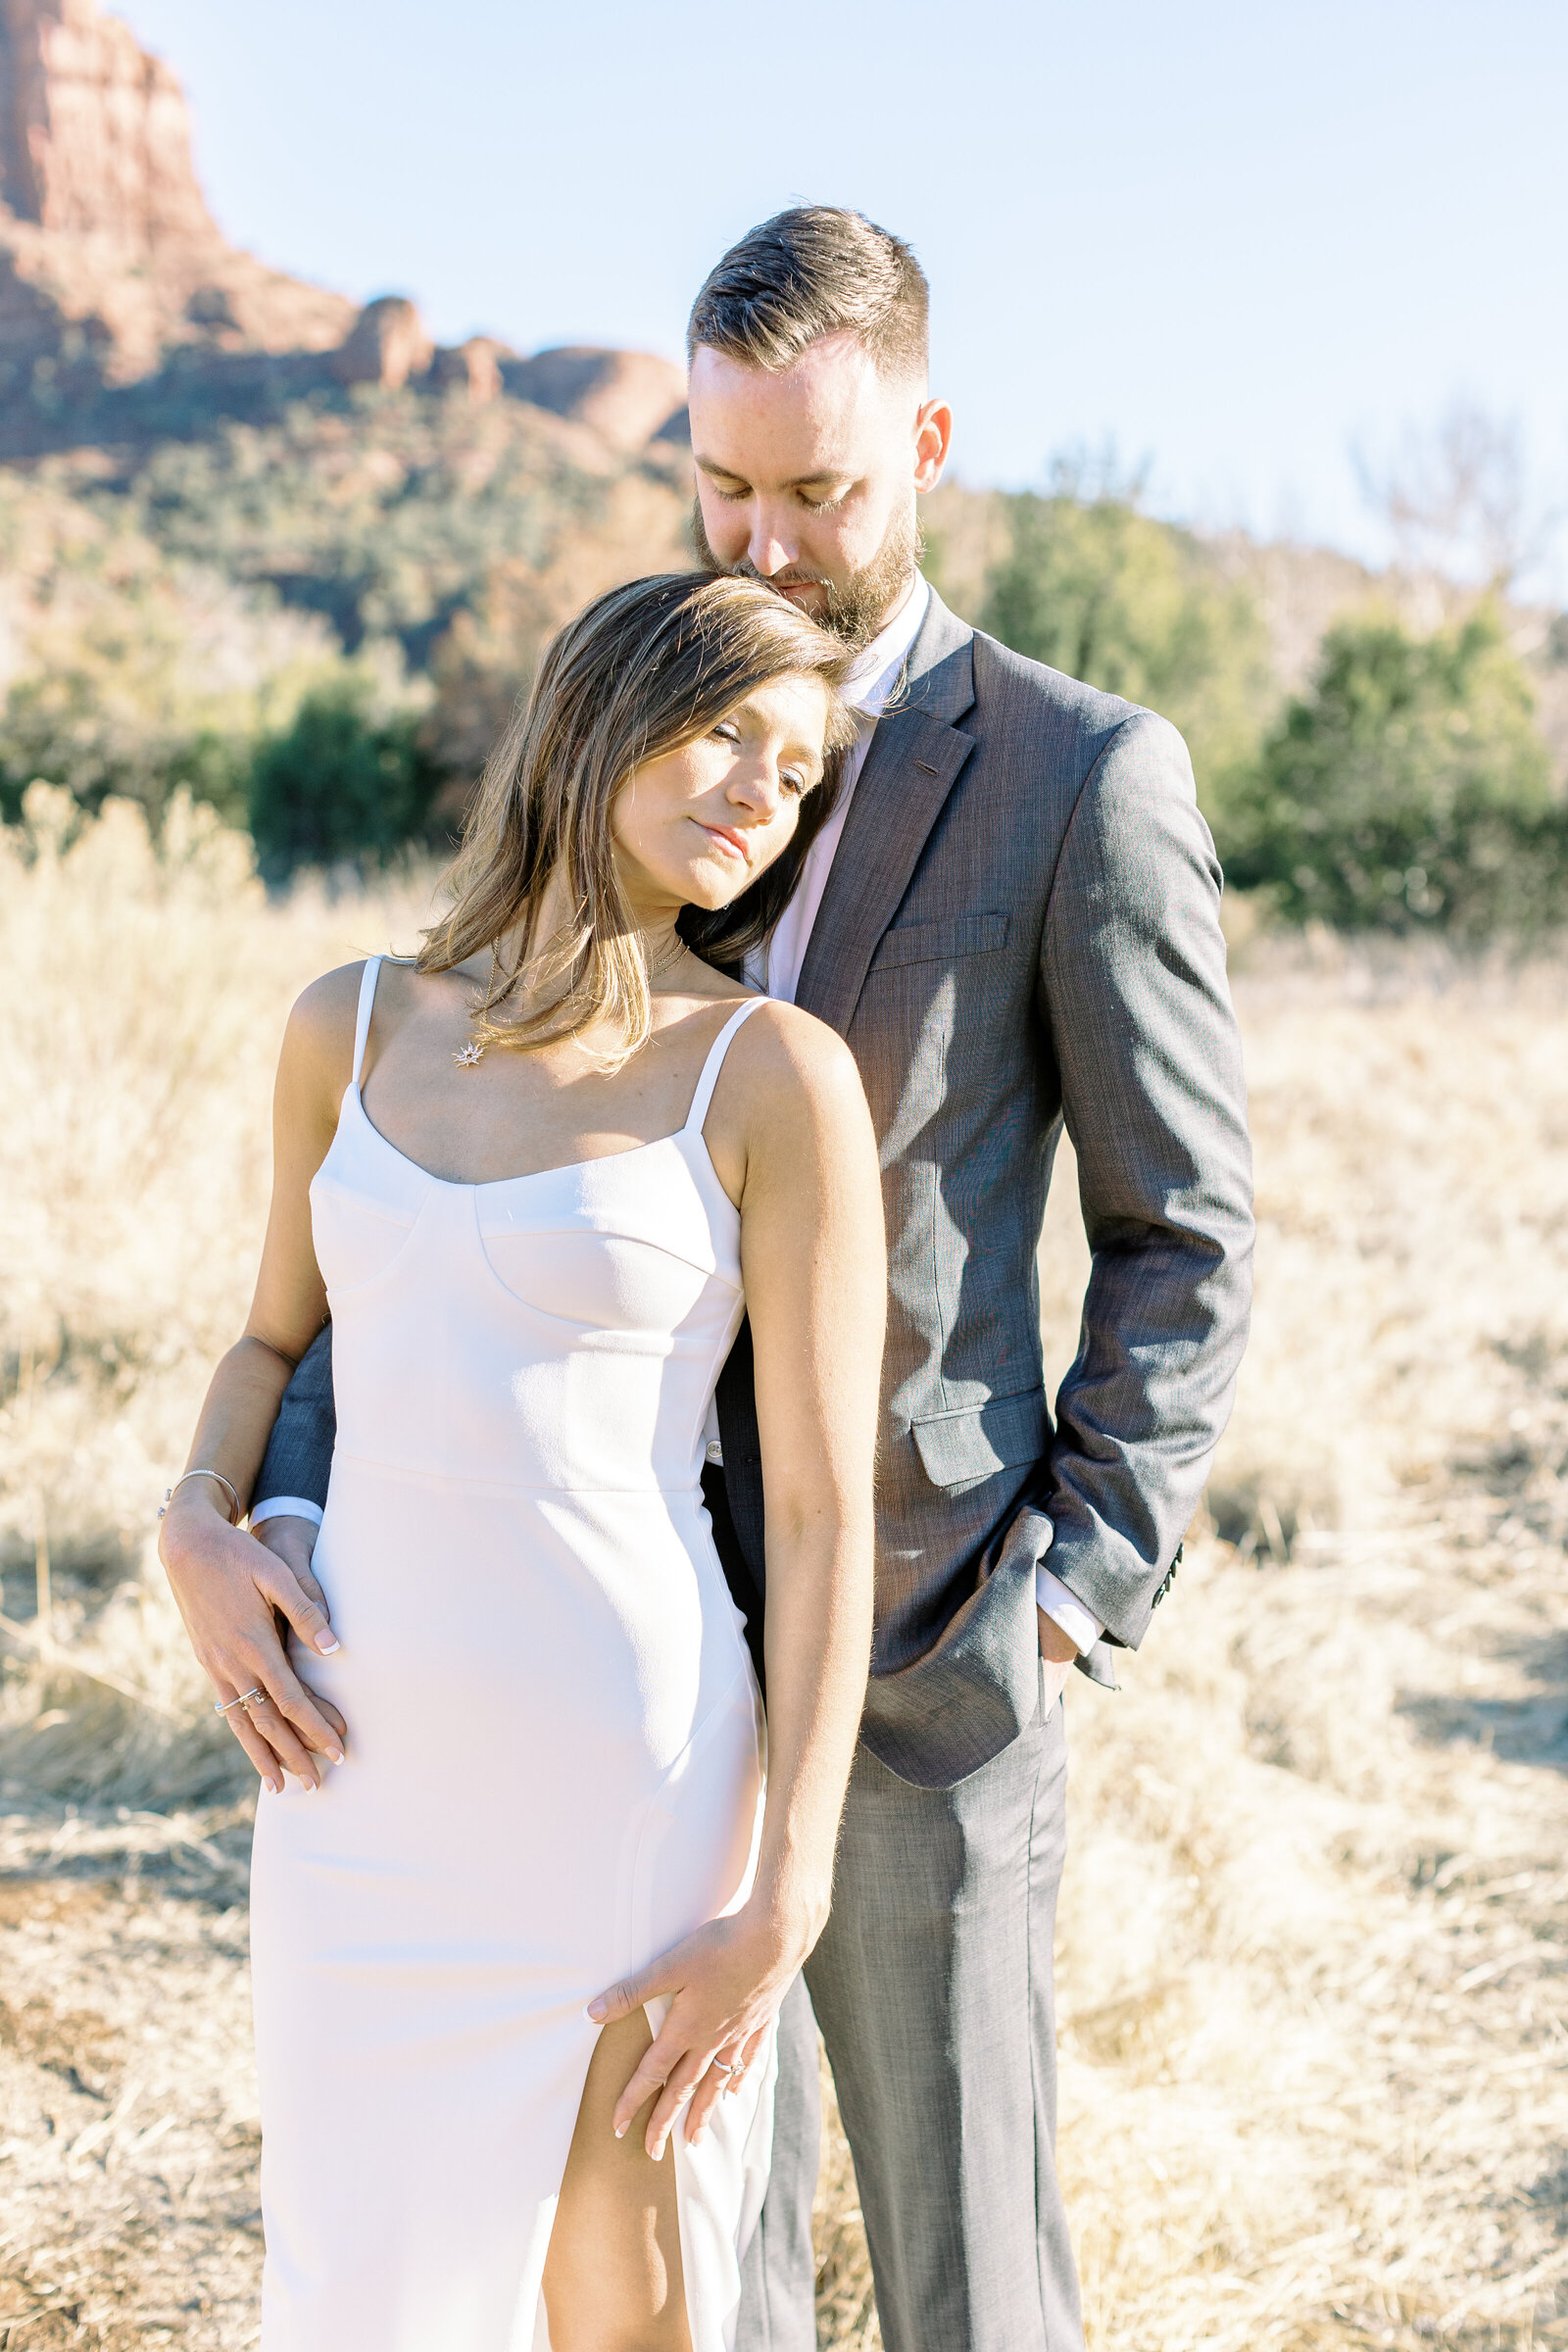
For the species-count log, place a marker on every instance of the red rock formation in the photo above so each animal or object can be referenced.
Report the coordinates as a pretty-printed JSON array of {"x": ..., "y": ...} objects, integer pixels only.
[
  {"x": 108, "y": 254},
  {"x": 111, "y": 263},
  {"x": 386, "y": 345},
  {"x": 94, "y": 137},
  {"x": 627, "y": 397},
  {"x": 474, "y": 368}
]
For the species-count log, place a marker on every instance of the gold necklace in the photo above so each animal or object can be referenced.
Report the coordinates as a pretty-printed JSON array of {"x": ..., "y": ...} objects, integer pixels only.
[{"x": 470, "y": 1056}]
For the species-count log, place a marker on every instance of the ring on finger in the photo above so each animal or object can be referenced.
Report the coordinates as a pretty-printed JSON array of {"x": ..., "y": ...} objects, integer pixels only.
[
  {"x": 222, "y": 1706},
  {"x": 719, "y": 2067}
]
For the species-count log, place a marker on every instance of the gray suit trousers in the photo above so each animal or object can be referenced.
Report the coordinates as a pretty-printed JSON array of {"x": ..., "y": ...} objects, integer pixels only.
[{"x": 933, "y": 1986}]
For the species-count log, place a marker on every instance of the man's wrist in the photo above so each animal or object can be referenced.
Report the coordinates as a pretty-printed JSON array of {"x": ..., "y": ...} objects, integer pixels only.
[
  {"x": 285, "y": 1506},
  {"x": 1081, "y": 1626}
]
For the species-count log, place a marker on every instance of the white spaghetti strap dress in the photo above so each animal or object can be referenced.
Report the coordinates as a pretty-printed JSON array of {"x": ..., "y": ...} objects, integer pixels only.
[{"x": 555, "y": 1759}]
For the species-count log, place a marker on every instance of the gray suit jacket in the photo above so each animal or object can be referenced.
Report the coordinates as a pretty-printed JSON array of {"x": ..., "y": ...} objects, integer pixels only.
[{"x": 1020, "y": 928}]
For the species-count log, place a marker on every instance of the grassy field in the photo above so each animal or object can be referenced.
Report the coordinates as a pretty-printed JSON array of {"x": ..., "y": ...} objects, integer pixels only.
[{"x": 1312, "y": 1960}]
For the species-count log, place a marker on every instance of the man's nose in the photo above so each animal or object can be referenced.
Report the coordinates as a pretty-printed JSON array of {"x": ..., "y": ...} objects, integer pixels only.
[{"x": 768, "y": 550}]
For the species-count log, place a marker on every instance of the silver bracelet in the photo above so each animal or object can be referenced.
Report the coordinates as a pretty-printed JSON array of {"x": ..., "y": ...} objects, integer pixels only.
[{"x": 169, "y": 1492}]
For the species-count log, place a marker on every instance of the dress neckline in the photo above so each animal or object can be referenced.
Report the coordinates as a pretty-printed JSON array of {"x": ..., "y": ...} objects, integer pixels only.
[
  {"x": 565, "y": 1167},
  {"x": 695, "y": 1120}
]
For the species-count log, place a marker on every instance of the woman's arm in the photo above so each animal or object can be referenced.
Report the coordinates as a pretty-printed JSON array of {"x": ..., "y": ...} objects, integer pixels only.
[
  {"x": 228, "y": 1585},
  {"x": 815, "y": 1274}
]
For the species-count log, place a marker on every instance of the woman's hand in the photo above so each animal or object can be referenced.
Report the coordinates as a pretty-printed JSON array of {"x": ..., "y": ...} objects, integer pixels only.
[
  {"x": 231, "y": 1591},
  {"x": 724, "y": 1984}
]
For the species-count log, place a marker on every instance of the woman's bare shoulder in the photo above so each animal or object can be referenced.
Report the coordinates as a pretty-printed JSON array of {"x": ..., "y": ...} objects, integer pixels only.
[
  {"x": 319, "y": 1040},
  {"x": 329, "y": 1005},
  {"x": 792, "y": 1067}
]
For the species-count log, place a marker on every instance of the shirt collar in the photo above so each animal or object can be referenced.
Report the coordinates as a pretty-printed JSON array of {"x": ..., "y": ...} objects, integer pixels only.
[{"x": 877, "y": 666}]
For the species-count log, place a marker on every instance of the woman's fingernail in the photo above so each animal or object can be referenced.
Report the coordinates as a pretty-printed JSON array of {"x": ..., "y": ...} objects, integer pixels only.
[
  {"x": 595, "y": 2010},
  {"x": 326, "y": 1642},
  {"x": 271, "y": 1787},
  {"x": 622, "y": 2131},
  {"x": 334, "y": 1755}
]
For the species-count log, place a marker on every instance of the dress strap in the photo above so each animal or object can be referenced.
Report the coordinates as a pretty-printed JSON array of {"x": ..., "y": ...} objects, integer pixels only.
[
  {"x": 717, "y": 1052},
  {"x": 362, "y": 1027}
]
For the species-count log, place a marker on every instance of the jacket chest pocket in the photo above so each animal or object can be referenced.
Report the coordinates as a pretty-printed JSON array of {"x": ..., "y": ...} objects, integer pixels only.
[
  {"x": 940, "y": 942},
  {"x": 1003, "y": 1433}
]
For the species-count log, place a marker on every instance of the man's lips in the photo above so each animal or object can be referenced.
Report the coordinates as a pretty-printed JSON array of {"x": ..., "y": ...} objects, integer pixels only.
[{"x": 733, "y": 844}]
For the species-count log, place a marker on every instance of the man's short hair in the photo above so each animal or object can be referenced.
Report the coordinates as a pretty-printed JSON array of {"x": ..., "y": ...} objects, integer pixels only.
[{"x": 814, "y": 270}]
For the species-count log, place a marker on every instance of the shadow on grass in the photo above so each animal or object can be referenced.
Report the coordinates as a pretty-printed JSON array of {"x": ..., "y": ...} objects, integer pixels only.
[{"x": 1532, "y": 1730}]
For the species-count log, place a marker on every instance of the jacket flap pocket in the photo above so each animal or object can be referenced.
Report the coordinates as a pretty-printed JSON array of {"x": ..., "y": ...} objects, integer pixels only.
[
  {"x": 940, "y": 942},
  {"x": 997, "y": 1435}
]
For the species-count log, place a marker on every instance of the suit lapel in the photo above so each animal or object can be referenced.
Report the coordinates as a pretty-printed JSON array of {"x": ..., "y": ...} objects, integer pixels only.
[{"x": 913, "y": 757}]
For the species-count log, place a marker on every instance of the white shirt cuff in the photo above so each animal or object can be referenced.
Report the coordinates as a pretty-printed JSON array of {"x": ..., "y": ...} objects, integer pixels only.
[
  {"x": 285, "y": 1506},
  {"x": 1080, "y": 1625}
]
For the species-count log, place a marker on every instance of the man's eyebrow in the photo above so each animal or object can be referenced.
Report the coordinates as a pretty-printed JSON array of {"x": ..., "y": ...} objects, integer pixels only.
[{"x": 801, "y": 481}]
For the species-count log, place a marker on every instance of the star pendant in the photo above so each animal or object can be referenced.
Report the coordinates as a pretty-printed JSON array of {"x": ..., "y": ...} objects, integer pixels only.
[{"x": 469, "y": 1058}]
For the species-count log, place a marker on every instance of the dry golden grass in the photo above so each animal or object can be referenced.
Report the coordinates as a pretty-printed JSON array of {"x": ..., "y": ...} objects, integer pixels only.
[{"x": 1311, "y": 1955}]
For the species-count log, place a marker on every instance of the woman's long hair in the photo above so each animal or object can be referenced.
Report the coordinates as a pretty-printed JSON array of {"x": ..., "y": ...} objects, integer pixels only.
[{"x": 643, "y": 671}]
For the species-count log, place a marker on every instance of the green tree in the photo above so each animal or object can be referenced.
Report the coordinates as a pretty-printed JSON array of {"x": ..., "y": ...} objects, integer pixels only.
[
  {"x": 1409, "y": 789},
  {"x": 340, "y": 782},
  {"x": 1137, "y": 608},
  {"x": 64, "y": 729}
]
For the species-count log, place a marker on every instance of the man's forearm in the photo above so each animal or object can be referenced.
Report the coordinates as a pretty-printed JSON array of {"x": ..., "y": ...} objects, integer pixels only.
[
  {"x": 1135, "y": 990},
  {"x": 298, "y": 1462}
]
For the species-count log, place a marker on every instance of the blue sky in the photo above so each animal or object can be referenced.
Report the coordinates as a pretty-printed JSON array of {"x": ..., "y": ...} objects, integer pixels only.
[{"x": 1229, "y": 239}]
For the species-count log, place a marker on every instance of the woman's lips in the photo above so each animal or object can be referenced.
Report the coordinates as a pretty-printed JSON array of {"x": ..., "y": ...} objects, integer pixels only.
[{"x": 732, "y": 842}]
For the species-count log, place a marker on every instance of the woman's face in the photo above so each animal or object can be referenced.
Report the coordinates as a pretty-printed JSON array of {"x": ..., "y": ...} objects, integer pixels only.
[{"x": 696, "y": 827}]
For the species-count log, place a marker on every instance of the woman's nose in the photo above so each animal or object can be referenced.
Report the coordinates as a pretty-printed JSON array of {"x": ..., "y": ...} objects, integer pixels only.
[{"x": 756, "y": 787}]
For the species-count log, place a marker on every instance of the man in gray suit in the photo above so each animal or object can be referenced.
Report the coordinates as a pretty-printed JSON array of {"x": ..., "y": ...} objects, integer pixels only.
[{"x": 1012, "y": 918}]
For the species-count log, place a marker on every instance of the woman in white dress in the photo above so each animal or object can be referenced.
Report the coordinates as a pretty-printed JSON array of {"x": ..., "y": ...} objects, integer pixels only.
[{"x": 535, "y": 1176}]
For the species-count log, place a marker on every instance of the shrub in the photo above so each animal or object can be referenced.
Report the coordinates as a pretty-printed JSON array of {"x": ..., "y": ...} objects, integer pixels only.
[
  {"x": 1409, "y": 789},
  {"x": 340, "y": 782},
  {"x": 64, "y": 729},
  {"x": 1140, "y": 608}
]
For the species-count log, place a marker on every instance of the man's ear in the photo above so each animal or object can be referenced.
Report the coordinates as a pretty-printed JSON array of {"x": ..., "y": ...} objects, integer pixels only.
[{"x": 933, "y": 438}]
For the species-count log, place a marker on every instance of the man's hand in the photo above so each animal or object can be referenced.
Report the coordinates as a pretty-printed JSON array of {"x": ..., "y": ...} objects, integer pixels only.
[
  {"x": 294, "y": 1541},
  {"x": 1059, "y": 1651}
]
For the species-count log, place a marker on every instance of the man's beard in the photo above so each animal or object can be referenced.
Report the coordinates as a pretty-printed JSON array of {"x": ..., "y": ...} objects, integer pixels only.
[{"x": 856, "y": 611}]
